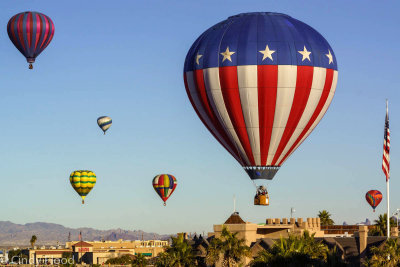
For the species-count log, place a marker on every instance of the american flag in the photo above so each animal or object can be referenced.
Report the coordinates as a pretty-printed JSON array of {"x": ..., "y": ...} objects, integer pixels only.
[{"x": 386, "y": 147}]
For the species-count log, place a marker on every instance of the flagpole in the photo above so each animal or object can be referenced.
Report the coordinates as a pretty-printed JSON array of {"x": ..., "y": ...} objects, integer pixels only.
[
  {"x": 387, "y": 188},
  {"x": 388, "y": 214}
]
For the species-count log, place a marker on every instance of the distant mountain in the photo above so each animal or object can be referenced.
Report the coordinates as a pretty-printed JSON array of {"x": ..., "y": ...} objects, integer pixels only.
[{"x": 12, "y": 234}]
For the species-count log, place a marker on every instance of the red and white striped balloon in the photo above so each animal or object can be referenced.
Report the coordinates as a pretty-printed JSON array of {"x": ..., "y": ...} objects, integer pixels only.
[{"x": 260, "y": 111}]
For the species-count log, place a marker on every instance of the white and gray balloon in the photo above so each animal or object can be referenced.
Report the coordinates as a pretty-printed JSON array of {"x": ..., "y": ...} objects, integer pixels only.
[{"x": 104, "y": 123}]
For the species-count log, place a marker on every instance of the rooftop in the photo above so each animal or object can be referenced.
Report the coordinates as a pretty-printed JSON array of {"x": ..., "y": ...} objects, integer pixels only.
[{"x": 235, "y": 219}]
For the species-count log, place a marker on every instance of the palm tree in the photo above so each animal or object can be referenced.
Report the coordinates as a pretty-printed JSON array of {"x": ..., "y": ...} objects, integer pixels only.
[
  {"x": 179, "y": 254},
  {"x": 380, "y": 225},
  {"x": 163, "y": 260},
  {"x": 334, "y": 259},
  {"x": 139, "y": 261},
  {"x": 293, "y": 251},
  {"x": 33, "y": 240},
  {"x": 388, "y": 255},
  {"x": 325, "y": 217},
  {"x": 229, "y": 246},
  {"x": 264, "y": 258},
  {"x": 68, "y": 259}
]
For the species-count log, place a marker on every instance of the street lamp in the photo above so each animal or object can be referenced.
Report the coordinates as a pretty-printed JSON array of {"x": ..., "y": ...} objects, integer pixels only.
[
  {"x": 292, "y": 210},
  {"x": 397, "y": 213}
]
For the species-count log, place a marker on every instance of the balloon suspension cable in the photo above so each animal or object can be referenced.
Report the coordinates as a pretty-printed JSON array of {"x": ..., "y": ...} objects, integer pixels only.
[
  {"x": 30, "y": 66},
  {"x": 165, "y": 204},
  {"x": 254, "y": 184}
]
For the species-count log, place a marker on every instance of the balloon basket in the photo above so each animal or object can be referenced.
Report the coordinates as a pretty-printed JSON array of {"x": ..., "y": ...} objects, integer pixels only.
[
  {"x": 30, "y": 66},
  {"x": 261, "y": 200},
  {"x": 165, "y": 204},
  {"x": 83, "y": 201}
]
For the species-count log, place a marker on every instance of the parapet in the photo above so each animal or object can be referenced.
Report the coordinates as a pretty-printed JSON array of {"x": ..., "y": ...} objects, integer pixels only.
[{"x": 308, "y": 224}]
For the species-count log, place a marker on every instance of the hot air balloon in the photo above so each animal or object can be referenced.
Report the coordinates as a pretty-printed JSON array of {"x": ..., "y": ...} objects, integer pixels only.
[
  {"x": 260, "y": 83},
  {"x": 31, "y": 33},
  {"x": 104, "y": 123},
  {"x": 373, "y": 197},
  {"x": 164, "y": 184},
  {"x": 83, "y": 182}
]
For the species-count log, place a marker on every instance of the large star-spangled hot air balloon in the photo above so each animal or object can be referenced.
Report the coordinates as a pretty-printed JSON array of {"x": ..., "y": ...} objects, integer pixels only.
[
  {"x": 31, "y": 33},
  {"x": 373, "y": 197},
  {"x": 164, "y": 185},
  {"x": 260, "y": 82},
  {"x": 83, "y": 182}
]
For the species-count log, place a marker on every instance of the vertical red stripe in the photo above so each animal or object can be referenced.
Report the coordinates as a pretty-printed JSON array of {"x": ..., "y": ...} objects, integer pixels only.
[
  {"x": 12, "y": 24},
  {"x": 29, "y": 29},
  {"x": 302, "y": 92},
  {"x": 46, "y": 31},
  {"x": 208, "y": 127},
  {"x": 19, "y": 30},
  {"x": 201, "y": 90},
  {"x": 38, "y": 30},
  {"x": 230, "y": 93},
  {"x": 51, "y": 31},
  {"x": 267, "y": 79},
  {"x": 317, "y": 111}
]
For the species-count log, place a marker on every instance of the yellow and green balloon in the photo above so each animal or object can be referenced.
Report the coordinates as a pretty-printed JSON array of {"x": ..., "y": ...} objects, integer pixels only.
[{"x": 82, "y": 182}]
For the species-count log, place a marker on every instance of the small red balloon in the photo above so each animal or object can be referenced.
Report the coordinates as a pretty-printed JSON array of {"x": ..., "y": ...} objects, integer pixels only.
[{"x": 373, "y": 197}]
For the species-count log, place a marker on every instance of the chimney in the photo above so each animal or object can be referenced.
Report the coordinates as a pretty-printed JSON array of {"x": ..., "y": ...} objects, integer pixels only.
[{"x": 363, "y": 236}]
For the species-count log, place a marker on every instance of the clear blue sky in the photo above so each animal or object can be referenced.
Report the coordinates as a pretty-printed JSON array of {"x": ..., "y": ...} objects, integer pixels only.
[{"x": 125, "y": 59}]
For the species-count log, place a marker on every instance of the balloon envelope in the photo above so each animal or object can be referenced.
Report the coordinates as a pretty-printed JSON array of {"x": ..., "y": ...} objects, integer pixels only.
[
  {"x": 104, "y": 123},
  {"x": 373, "y": 197},
  {"x": 31, "y": 33},
  {"x": 164, "y": 185},
  {"x": 82, "y": 182},
  {"x": 260, "y": 82}
]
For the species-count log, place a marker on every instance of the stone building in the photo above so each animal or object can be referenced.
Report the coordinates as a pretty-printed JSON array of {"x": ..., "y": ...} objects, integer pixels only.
[
  {"x": 98, "y": 252},
  {"x": 352, "y": 242}
]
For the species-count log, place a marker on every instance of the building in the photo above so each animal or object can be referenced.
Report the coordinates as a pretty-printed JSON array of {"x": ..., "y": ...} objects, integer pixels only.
[
  {"x": 352, "y": 241},
  {"x": 3, "y": 256},
  {"x": 46, "y": 256},
  {"x": 273, "y": 228},
  {"x": 97, "y": 252}
]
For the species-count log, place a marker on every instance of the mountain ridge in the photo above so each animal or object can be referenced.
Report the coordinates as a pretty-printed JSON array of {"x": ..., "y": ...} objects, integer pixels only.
[{"x": 12, "y": 234}]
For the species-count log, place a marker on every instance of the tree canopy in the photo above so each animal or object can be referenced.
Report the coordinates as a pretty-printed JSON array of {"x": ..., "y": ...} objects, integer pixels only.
[{"x": 325, "y": 218}]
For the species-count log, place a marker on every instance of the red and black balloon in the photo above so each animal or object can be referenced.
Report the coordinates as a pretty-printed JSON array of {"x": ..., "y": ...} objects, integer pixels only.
[
  {"x": 31, "y": 33},
  {"x": 373, "y": 197}
]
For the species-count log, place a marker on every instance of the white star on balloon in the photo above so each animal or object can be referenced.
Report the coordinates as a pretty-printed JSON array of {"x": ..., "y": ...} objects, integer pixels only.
[
  {"x": 267, "y": 53},
  {"x": 305, "y": 54},
  {"x": 329, "y": 55},
  {"x": 198, "y": 56},
  {"x": 227, "y": 54}
]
